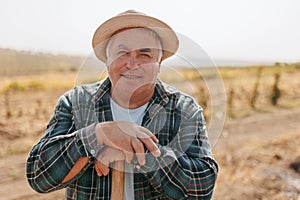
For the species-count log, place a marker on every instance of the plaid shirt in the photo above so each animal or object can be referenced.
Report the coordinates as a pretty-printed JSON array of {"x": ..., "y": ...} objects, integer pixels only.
[{"x": 185, "y": 170}]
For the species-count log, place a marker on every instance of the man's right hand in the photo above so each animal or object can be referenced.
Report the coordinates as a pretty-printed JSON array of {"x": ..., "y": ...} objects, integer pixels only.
[{"x": 127, "y": 137}]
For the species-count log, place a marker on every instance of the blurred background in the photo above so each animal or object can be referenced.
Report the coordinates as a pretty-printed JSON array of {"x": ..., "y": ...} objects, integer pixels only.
[{"x": 251, "y": 48}]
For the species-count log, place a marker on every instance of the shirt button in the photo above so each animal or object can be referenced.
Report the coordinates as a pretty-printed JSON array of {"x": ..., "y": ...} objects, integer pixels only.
[{"x": 93, "y": 152}]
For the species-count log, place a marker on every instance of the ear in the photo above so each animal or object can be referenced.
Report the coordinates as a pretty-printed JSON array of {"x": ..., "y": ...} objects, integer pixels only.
[{"x": 159, "y": 64}]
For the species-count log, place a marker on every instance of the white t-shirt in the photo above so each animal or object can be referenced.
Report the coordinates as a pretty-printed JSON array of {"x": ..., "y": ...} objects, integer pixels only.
[{"x": 130, "y": 115}]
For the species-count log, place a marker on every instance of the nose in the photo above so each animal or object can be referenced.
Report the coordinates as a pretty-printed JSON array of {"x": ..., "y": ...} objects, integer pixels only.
[{"x": 132, "y": 62}]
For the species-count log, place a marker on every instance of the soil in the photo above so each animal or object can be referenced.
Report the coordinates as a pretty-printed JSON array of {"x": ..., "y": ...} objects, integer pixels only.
[{"x": 255, "y": 156}]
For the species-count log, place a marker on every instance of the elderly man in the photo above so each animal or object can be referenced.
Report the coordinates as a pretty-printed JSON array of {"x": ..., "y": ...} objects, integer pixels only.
[{"x": 131, "y": 116}]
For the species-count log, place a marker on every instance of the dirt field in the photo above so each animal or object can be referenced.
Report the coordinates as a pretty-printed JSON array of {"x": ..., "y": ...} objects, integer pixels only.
[{"x": 254, "y": 152}]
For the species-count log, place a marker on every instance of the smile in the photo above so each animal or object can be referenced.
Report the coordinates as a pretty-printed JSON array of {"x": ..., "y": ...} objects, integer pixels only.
[{"x": 129, "y": 76}]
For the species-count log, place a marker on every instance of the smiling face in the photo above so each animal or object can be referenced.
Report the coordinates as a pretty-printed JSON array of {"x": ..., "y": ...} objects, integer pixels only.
[{"x": 133, "y": 61}]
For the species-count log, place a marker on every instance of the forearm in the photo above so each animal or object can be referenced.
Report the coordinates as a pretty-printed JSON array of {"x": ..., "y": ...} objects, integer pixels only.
[
  {"x": 186, "y": 168},
  {"x": 181, "y": 177},
  {"x": 62, "y": 144},
  {"x": 51, "y": 160},
  {"x": 76, "y": 169}
]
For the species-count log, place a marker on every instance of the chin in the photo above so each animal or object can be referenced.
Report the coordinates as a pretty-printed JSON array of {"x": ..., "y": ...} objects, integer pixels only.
[{"x": 127, "y": 89}]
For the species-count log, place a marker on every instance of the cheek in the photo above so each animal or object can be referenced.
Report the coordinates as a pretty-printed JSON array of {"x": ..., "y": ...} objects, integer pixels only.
[
  {"x": 152, "y": 70},
  {"x": 115, "y": 67},
  {"x": 113, "y": 73}
]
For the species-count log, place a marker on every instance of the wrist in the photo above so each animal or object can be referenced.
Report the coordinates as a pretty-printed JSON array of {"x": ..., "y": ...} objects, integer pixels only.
[{"x": 99, "y": 134}]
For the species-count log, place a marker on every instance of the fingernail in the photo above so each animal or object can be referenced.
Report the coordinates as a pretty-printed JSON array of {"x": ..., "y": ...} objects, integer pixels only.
[{"x": 157, "y": 153}]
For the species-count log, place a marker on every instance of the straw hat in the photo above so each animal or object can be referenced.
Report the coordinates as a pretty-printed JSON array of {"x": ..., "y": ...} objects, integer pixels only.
[{"x": 133, "y": 19}]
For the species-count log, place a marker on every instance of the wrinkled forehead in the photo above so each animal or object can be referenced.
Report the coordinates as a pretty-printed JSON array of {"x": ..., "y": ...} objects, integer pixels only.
[{"x": 135, "y": 38}]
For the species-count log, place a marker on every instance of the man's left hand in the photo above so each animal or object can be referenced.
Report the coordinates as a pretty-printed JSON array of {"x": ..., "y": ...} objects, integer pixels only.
[{"x": 107, "y": 156}]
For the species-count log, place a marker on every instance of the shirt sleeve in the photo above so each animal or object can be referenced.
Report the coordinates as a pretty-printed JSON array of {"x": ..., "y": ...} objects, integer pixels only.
[
  {"x": 186, "y": 168},
  {"x": 51, "y": 159}
]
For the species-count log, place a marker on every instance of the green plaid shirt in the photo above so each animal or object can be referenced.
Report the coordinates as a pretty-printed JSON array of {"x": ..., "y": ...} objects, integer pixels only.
[{"x": 185, "y": 170}]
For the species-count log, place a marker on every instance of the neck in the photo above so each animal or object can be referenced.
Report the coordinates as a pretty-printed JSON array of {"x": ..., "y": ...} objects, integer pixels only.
[{"x": 132, "y": 101}]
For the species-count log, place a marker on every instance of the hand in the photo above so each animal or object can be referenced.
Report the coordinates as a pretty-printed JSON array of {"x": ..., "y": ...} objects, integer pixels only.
[
  {"x": 127, "y": 137},
  {"x": 107, "y": 156}
]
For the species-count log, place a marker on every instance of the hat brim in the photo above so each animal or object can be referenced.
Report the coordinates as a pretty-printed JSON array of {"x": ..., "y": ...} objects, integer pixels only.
[{"x": 108, "y": 28}]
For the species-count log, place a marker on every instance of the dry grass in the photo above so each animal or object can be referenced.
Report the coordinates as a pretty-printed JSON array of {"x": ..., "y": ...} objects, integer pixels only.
[{"x": 29, "y": 100}]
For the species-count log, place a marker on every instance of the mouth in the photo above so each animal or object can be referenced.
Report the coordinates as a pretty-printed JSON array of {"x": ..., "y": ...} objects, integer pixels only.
[{"x": 131, "y": 76}]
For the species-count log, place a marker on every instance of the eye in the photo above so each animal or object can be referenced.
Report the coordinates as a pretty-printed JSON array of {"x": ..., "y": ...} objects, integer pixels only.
[{"x": 145, "y": 55}]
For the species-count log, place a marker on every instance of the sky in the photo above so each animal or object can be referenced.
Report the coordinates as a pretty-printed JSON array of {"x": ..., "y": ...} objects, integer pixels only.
[{"x": 249, "y": 30}]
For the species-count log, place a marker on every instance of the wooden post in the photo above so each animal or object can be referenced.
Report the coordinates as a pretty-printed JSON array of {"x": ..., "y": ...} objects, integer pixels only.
[{"x": 117, "y": 191}]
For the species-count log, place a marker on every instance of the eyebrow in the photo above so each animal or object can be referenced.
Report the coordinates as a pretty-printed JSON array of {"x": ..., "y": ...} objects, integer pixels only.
[
  {"x": 146, "y": 49},
  {"x": 122, "y": 46}
]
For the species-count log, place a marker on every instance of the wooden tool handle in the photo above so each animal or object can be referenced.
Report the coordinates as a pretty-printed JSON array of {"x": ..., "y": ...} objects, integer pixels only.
[{"x": 117, "y": 191}]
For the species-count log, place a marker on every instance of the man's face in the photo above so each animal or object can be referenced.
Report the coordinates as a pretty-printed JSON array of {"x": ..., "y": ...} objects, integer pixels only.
[{"x": 133, "y": 57}]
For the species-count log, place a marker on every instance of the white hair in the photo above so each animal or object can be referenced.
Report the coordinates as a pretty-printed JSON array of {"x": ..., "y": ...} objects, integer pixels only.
[{"x": 160, "y": 53}]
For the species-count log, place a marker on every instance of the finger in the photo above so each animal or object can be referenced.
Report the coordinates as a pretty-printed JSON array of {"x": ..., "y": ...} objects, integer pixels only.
[
  {"x": 149, "y": 143},
  {"x": 104, "y": 168},
  {"x": 99, "y": 173},
  {"x": 128, "y": 153},
  {"x": 148, "y": 137},
  {"x": 145, "y": 133},
  {"x": 139, "y": 150},
  {"x": 151, "y": 146},
  {"x": 102, "y": 163},
  {"x": 128, "y": 156}
]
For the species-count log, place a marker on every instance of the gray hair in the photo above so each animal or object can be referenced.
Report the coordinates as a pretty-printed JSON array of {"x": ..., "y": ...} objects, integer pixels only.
[{"x": 152, "y": 33}]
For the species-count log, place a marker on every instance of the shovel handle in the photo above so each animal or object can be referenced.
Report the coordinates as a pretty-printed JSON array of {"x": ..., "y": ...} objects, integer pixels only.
[{"x": 117, "y": 192}]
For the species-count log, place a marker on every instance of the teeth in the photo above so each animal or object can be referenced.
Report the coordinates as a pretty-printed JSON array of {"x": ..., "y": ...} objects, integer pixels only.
[{"x": 131, "y": 77}]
